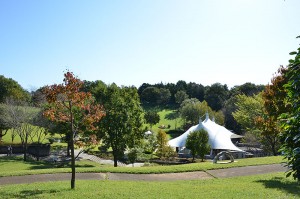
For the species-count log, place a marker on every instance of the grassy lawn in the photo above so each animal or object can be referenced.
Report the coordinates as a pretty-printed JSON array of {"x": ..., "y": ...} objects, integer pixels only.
[
  {"x": 168, "y": 117},
  {"x": 259, "y": 186},
  {"x": 15, "y": 166},
  {"x": 12, "y": 166},
  {"x": 7, "y": 138}
]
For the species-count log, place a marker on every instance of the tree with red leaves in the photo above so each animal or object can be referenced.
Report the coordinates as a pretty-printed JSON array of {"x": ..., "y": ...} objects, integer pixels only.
[{"x": 68, "y": 104}]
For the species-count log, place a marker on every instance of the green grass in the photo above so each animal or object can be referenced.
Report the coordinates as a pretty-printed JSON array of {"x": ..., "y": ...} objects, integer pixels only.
[
  {"x": 17, "y": 140},
  {"x": 168, "y": 117},
  {"x": 13, "y": 166},
  {"x": 259, "y": 186}
]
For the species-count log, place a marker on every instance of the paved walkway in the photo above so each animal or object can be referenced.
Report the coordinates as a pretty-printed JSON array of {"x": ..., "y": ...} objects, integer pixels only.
[{"x": 198, "y": 175}]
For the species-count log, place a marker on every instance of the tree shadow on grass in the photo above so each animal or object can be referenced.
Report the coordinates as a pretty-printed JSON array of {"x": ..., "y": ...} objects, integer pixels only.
[
  {"x": 36, "y": 193},
  {"x": 32, "y": 163},
  {"x": 172, "y": 115},
  {"x": 283, "y": 185}
]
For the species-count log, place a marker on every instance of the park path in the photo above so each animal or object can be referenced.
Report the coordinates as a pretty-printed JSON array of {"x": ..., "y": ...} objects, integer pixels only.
[
  {"x": 104, "y": 161},
  {"x": 198, "y": 175}
]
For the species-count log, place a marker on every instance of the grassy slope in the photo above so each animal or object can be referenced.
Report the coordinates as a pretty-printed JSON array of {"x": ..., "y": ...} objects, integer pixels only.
[
  {"x": 7, "y": 138},
  {"x": 12, "y": 166},
  {"x": 167, "y": 117},
  {"x": 259, "y": 186}
]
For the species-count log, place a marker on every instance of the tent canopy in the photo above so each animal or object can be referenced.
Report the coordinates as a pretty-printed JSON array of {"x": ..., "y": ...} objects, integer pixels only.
[{"x": 219, "y": 136}]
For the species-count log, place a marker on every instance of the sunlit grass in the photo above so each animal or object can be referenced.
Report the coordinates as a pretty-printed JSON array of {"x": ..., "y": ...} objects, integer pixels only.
[
  {"x": 259, "y": 186},
  {"x": 10, "y": 166}
]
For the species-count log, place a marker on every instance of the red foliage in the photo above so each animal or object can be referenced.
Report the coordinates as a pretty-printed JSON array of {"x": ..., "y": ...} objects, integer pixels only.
[{"x": 67, "y": 103}]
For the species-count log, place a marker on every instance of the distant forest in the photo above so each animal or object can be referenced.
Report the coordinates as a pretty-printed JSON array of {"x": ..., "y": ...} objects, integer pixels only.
[{"x": 217, "y": 96}]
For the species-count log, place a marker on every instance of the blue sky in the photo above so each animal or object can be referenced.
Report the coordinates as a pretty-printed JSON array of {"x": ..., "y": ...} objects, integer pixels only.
[{"x": 133, "y": 42}]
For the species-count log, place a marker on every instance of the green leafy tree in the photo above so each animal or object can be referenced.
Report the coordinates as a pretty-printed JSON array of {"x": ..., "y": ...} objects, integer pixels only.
[
  {"x": 121, "y": 127},
  {"x": 248, "y": 108},
  {"x": 197, "y": 143},
  {"x": 192, "y": 109},
  {"x": 132, "y": 156},
  {"x": 180, "y": 96},
  {"x": 195, "y": 91},
  {"x": 151, "y": 118},
  {"x": 291, "y": 135},
  {"x": 274, "y": 105},
  {"x": 4, "y": 125},
  {"x": 164, "y": 96},
  {"x": 164, "y": 151},
  {"x": 216, "y": 95},
  {"x": 9, "y": 88},
  {"x": 150, "y": 95},
  {"x": 68, "y": 104}
]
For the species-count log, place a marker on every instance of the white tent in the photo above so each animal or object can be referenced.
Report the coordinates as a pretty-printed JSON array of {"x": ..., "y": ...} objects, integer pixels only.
[{"x": 219, "y": 136}]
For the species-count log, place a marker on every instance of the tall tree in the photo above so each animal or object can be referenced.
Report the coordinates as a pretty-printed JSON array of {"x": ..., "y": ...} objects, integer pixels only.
[
  {"x": 164, "y": 151},
  {"x": 248, "y": 108},
  {"x": 274, "y": 105},
  {"x": 68, "y": 104},
  {"x": 4, "y": 126},
  {"x": 19, "y": 117},
  {"x": 216, "y": 95},
  {"x": 195, "y": 91},
  {"x": 9, "y": 88},
  {"x": 197, "y": 142},
  {"x": 180, "y": 96},
  {"x": 151, "y": 118},
  {"x": 192, "y": 109},
  {"x": 164, "y": 96},
  {"x": 121, "y": 127},
  {"x": 291, "y": 135},
  {"x": 150, "y": 95}
]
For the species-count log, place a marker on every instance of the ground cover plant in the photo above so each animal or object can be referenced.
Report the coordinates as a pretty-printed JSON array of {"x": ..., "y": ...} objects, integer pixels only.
[
  {"x": 13, "y": 166},
  {"x": 273, "y": 185}
]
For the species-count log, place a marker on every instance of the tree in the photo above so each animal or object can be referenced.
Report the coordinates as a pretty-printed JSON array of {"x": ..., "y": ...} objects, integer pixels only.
[
  {"x": 150, "y": 95},
  {"x": 19, "y": 117},
  {"x": 180, "y": 96},
  {"x": 216, "y": 95},
  {"x": 38, "y": 97},
  {"x": 67, "y": 104},
  {"x": 121, "y": 127},
  {"x": 164, "y": 96},
  {"x": 192, "y": 109},
  {"x": 274, "y": 105},
  {"x": 9, "y": 88},
  {"x": 132, "y": 156},
  {"x": 230, "y": 122},
  {"x": 248, "y": 108},
  {"x": 151, "y": 118},
  {"x": 4, "y": 126},
  {"x": 248, "y": 89},
  {"x": 197, "y": 143},
  {"x": 291, "y": 135},
  {"x": 195, "y": 91},
  {"x": 164, "y": 151},
  {"x": 42, "y": 125}
]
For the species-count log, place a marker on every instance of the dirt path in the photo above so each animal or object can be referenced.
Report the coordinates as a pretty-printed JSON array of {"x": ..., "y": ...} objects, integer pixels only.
[{"x": 198, "y": 175}]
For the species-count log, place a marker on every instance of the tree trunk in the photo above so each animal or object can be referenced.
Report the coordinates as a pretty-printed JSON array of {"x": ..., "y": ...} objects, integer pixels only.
[
  {"x": 69, "y": 148},
  {"x": 2, "y": 134},
  {"x": 72, "y": 165},
  {"x": 25, "y": 147},
  {"x": 115, "y": 161},
  {"x": 72, "y": 148}
]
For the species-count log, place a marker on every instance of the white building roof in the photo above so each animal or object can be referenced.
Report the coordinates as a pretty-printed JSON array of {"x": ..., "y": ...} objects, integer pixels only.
[{"x": 219, "y": 136}]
